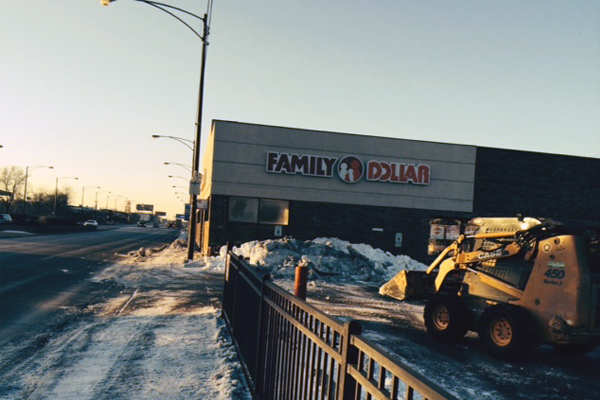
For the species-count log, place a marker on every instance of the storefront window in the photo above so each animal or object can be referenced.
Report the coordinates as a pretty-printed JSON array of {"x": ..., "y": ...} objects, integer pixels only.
[
  {"x": 243, "y": 209},
  {"x": 442, "y": 233},
  {"x": 264, "y": 211},
  {"x": 274, "y": 212}
]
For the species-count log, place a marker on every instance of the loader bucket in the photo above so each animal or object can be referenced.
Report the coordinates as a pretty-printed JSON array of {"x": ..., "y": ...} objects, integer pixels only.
[{"x": 406, "y": 285}]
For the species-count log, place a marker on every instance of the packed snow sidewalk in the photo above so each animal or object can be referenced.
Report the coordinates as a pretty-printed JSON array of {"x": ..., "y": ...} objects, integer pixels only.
[{"x": 157, "y": 336}]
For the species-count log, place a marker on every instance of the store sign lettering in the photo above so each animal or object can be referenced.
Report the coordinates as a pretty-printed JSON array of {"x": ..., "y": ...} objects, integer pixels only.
[
  {"x": 350, "y": 169},
  {"x": 398, "y": 173},
  {"x": 300, "y": 164}
]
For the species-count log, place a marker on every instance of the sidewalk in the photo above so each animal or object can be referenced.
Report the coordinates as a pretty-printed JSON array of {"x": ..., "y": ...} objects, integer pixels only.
[{"x": 155, "y": 334}]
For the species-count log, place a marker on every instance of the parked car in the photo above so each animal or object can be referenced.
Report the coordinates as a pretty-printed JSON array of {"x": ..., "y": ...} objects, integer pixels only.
[
  {"x": 91, "y": 222},
  {"x": 5, "y": 219},
  {"x": 142, "y": 224}
]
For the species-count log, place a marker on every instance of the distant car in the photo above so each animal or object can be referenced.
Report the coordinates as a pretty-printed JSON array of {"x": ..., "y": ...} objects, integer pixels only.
[
  {"x": 91, "y": 222},
  {"x": 142, "y": 224},
  {"x": 155, "y": 225},
  {"x": 5, "y": 219}
]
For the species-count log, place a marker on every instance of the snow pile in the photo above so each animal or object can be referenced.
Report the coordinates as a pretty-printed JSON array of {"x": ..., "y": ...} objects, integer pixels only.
[{"x": 328, "y": 259}]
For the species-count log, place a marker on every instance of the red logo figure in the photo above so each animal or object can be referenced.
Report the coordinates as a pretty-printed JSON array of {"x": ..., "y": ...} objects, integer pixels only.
[{"x": 350, "y": 169}]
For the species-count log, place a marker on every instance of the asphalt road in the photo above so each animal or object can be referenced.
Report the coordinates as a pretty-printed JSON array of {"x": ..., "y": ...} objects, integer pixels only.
[{"x": 46, "y": 278}]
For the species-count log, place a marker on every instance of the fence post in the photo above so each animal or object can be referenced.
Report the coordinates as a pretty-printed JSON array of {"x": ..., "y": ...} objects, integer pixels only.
[
  {"x": 259, "y": 340},
  {"x": 235, "y": 290},
  {"x": 349, "y": 356},
  {"x": 225, "y": 282}
]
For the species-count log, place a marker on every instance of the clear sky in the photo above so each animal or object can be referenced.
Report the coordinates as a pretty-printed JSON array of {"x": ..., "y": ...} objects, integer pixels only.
[{"x": 83, "y": 87}]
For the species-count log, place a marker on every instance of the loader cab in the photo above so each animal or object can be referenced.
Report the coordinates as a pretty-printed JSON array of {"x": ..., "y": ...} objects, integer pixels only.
[{"x": 515, "y": 270}]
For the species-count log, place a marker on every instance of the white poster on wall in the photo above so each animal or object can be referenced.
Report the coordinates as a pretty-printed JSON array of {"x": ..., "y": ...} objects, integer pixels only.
[{"x": 398, "y": 239}]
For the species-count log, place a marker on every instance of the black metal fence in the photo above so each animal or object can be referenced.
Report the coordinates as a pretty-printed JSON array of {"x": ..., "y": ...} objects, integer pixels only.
[{"x": 291, "y": 350}]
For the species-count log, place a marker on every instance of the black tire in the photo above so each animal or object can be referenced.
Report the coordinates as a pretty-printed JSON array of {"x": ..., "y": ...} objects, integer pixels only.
[
  {"x": 446, "y": 317},
  {"x": 575, "y": 349},
  {"x": 506, "y": 332}
]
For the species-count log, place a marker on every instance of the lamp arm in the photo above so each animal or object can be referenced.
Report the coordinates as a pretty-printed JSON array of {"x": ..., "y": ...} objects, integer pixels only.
[
  {"x": 160, "y": 7},
  {"x": 184, "y": 143},
  {"x": 171, "y": 7}
]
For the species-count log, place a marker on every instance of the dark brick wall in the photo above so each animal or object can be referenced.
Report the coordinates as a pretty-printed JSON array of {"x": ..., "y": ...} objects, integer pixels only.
[
  {"x": 309, "y": 220},
  {"x": 508, "y": 182}
]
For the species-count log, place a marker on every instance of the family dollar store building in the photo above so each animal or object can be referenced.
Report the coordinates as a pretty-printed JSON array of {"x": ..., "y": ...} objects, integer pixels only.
[{"x": 403, "y": 196}]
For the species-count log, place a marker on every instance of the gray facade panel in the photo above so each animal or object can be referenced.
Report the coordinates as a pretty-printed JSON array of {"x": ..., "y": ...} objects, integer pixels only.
[
  {"x": 290, "y": 138},
  {"x": 255, "y": 155},
  {"x": 239, "y": 168}
]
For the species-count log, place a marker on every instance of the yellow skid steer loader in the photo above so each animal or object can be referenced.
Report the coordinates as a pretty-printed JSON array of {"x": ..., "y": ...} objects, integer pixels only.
[{"x": 517, "y": 282}]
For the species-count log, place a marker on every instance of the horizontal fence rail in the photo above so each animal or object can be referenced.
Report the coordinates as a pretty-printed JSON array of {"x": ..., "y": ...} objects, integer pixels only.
[{"x": 293, "y": 351}]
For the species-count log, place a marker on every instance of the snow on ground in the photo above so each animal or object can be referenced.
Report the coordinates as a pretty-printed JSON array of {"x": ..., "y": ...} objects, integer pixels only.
[
  {"x": 158, "y": 336},
  {"x": 132, "y": 357}
]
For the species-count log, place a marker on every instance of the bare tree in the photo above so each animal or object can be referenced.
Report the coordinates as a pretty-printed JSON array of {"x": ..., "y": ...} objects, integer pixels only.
[{"x": 11, "y": 180}]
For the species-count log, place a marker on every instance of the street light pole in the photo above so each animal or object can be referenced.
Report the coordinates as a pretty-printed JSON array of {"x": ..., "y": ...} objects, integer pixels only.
[
  {"x": 26, "y": 177},
  {"x": 56, "y": 191},
  {"x": 196, "y": 165},
  {"x": 96, "y": 205},
  {"x": 197, "y": 143},
  {"x": 83, "y": 191}
]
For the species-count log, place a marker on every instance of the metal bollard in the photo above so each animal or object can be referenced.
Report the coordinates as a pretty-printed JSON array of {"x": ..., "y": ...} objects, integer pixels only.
[{"x": 301, "y": 281}]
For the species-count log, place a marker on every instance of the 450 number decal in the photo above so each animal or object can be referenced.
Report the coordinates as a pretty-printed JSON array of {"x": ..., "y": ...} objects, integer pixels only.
[{"x": 555, "y": 273}]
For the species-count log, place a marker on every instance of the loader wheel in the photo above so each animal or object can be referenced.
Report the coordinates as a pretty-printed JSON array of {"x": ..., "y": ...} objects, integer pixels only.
[
  {"x": 506, "y": 332},
  {"x": 446, "y": 317}
]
